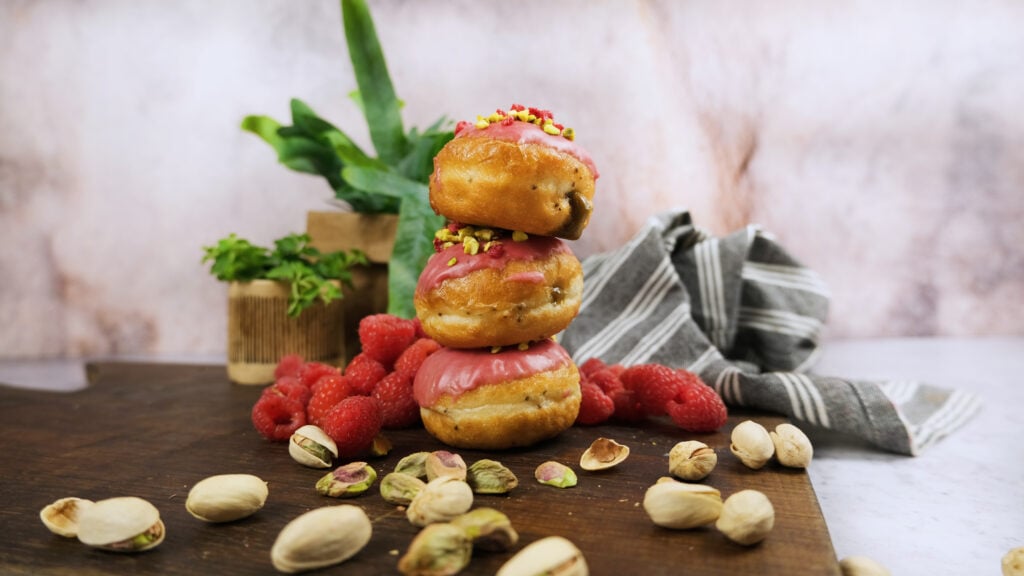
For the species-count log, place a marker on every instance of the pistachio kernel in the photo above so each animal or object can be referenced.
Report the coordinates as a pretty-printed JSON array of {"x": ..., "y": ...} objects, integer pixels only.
[
  {"x": 490, "y": 477},
  {"x": 442, "y": 463},
  {"x": 488, "y": 529},
  {"x": 414, "y": 465},
  {"x": 400, "y": 489},
  {"x": 437, "y": 549},
  {"x": 555, "y": 474},
  {"x": 347, "y": 481}
]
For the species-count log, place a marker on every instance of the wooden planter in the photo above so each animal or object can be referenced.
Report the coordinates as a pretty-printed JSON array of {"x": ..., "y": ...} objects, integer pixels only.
[
  {"x": 260, "y": 331},
  {"x": 374, "y": 234}
]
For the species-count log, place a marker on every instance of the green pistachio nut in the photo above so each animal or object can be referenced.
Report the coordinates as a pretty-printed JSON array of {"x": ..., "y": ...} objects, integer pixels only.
[
  {"x": 488, "y": 529},
  {"x": 400, "y": 489},
  {"x": 490, "y": 477},
  {"x": 438, "y": 549},
  {"x": 555, "y": 474},
  {"x": 347, "y": 481}
]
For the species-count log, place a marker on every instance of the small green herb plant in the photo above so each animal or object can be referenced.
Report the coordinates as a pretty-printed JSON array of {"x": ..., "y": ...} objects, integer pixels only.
[
  {"x": 395, "y": 182},
  {"x": 293, "y": 260}
]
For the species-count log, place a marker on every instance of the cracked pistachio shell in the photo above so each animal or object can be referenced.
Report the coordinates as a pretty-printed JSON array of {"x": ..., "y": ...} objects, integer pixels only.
[
  {"x": 398, "y": 488},
  {"x": 555, "y": 474},
  {"x": 490, "y": 477},
  {"x": 488, "y": 529},
  {"x": 792, "y": 447},
  {"x": 321, "y": 537},
  {"x": 864, "y": 566},
  {"x": 603, "y": 453},
  {"x": 311, "y": 446},
  {"x": 226, "y": 497},
  {"x": 747, "y": 517},
  {"x": 692, "y": 460},
  {"x": 682, "y": 506},
  {"x": 438, "y": 549},
  {"x": 444, "y": 464},
  {"x": 61, "y": 516},
  {"x": 414, "y": 465},
  {"x": 123, "y": 524},
  {"x": 752, "y": 444},
  {"x": 441, "y": 500},
  {"x": 347, "y": 481},
  {"x": 551, "y": 556}
]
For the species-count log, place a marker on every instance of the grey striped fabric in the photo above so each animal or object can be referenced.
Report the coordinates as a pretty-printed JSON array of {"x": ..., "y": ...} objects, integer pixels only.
[{"x": 746, "y": 317}]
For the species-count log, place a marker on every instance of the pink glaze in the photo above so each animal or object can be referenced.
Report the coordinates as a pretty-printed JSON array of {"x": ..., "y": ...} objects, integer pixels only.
[
  {"x": 533, "y": 248},
  {"x": 451, "y": 371},
  {"x": 528, "y": 133},
  {"x": 526, "y": 278}
]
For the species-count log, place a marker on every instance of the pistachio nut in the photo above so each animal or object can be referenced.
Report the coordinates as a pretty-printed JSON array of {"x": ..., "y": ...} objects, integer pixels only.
[
  {"x": 490, "y": 477},
  {"x": 441, "y": 500},
  {"x": 553, "y": 555},
  {"x": 400, "y": 489},
  {"x": 381, "y": 445},
  {"x": 488, "y": 529},
  {"x": 123, "y": 524},
  {"x": 414, "y": 465},
  {"x": 747, "y": 517},
  {"x": 321, "y": 537},
  {"x": 682, "y": 506},
  {"x": 692, "y": 460},
  {"x": 61, "y": 516},
  {"x": 555, "y": 474},
  {"x": 792, "y": 447},
  {"x": 864, "y": 566},
  {"x": 752, "y": 444},
  {"x": 437, "y": 550},
  {"x": 442, "y": 463},
  {"x": 1012, "y": 563},
  {"x": 603, "y": 453},
  {"x": 311, "y": 446},
  {"x": 226, "y": 497},
  {"x": 347, "y": 481}
]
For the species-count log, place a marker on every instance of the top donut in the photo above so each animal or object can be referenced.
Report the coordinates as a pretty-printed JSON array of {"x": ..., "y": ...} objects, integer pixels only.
[{"x": 517, "y": 170}]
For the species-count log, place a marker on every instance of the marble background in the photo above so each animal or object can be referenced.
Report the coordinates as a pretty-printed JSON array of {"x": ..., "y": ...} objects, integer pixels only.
[{"x": 882, "y": 143}]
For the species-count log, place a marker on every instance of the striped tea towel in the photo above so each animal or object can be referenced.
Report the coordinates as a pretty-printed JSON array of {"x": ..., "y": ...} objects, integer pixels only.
[{"x": 746, "y": 317}]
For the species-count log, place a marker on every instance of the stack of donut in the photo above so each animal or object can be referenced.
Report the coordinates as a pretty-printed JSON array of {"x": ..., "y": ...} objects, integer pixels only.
[{"x": 502, "y": 282}]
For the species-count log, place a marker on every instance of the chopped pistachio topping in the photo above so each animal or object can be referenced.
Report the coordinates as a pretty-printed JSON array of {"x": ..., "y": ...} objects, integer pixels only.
[{"x": 519, "y": 113}]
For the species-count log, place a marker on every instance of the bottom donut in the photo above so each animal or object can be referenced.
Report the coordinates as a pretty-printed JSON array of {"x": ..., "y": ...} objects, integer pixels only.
[{"x": 484, "y": 400}]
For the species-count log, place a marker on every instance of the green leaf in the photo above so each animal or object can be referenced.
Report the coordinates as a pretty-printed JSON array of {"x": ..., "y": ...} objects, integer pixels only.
[{"x": 380, "y": 105}]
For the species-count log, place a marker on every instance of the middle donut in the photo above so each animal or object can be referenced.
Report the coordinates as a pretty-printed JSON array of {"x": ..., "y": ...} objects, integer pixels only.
[{"x": 481, "y": 290}]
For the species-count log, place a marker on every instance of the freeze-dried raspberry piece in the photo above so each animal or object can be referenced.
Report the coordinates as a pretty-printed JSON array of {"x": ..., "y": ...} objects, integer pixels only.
[
  {"x": 384, "y": 337},
  {"x": 654, "y": 385},
  {"x": 289, "y": 365},
  {"x": 330, "y": 390},
  {"x": 698, "y": 409},
  {"x": 363, "y": 373},
  {"x": 277, "y": 417},
  {"x": 353, "y": 424},
  {"x": 410, "y": 361},
  {"x": 398, "y": 407},
  {"x": 595, "y": 407},
  {"x": 311, "y": 372},
  {"x": 289, "y": 386}
]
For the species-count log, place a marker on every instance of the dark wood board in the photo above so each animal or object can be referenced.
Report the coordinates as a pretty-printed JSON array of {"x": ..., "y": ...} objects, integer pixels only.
[{"x": 153, "y": 431}]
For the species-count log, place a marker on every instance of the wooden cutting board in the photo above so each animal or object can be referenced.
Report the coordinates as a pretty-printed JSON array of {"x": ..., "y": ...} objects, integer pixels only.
[{"x": 155, "y": 430}]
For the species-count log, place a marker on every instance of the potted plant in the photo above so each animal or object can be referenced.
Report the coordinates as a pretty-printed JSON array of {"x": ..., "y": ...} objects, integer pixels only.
[
  {"x": 387, "y": 194},
  {"x": 281, "y": 301}
]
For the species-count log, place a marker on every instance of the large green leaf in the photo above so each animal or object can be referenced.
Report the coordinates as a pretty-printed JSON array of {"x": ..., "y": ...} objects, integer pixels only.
[
  {"x": 414, "y": 243},
  {"x": 380, "y": 104}
]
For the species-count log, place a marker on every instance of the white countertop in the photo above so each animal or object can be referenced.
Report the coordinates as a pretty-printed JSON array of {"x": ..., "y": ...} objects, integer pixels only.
[
  {"x": 959, "y": 506},
  {"x": 956, "y": 509}
]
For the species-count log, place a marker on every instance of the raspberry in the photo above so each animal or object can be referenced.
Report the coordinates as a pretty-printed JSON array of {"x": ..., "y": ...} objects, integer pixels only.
[
  {"x": 419, "y": 328},
  {"x": 353, "y": 424},
  {"x": 290, "y": 387},
  {"x": 591, "y": 366},
  {"x": 596, "y": 407},
  {"x": 410, "y": 361},
  {"x": 384, "y": 337},
  {"x": 330, "y": 391},
  {"x": 363, "y": 373},
  {"x": 689, "y": 378},
  {"x": 398, "y": 407},
  {"x": 607, "y": 379},
  {"x": 655, "y": 385},
  {"x": 289, "y": 365},
  {"x": 627, "y": 407},
  {"x": 311, "y": 372},
  {"x": 277, "y": 417},
  {"x": 698, "y": 409}
]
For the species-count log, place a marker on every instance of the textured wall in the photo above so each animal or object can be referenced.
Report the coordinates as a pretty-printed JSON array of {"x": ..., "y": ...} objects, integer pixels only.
[{"x": 883, "y": 144}]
